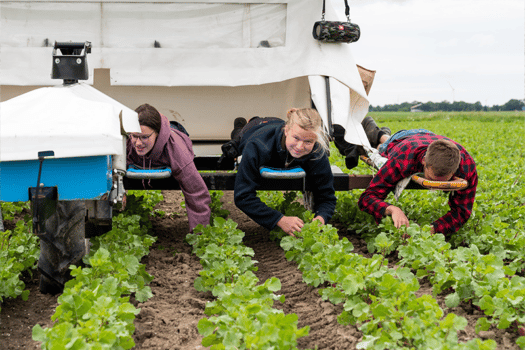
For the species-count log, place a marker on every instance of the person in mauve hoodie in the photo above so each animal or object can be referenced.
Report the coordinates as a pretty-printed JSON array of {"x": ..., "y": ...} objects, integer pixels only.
[{"x": 160, "y": 145}]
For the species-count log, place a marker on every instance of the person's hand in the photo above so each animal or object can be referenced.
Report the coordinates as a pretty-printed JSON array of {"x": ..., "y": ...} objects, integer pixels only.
[
  {"x": 290, "y": 224},
  {"x": 124, "y": 201},
  {"x": 319, "y": 218},
  {"x": 398, "y": 216}
]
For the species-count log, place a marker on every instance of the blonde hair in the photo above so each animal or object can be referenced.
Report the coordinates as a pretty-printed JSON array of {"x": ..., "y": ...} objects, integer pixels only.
[{"x": 309, "y": 119}]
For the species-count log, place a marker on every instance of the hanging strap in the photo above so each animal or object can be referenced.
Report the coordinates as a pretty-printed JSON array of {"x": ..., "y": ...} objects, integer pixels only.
[{"x": 347, "y": 11}]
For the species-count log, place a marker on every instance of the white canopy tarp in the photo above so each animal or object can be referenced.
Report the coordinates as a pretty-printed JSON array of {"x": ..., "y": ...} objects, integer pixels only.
[
  {"x": 187, "y": 43},
  {"x": 346, "y": 111},
  {"x": 71, "y": 120}
]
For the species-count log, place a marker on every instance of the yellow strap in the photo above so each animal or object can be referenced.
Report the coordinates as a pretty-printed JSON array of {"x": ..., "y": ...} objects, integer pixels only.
[{"x": 456, "y": 184}]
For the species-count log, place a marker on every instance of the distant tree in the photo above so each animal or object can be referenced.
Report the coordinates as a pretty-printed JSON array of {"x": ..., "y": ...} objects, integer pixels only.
[
  {"x": 477, "y": 106},
  {"x": 405, "y": 106},
  {"x": 427, "y": 107},
  {"x": 513, "y": 105},
  {"x": 445, "y": 106}
]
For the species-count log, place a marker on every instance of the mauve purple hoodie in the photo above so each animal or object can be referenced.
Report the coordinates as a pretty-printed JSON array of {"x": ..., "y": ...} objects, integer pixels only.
[{"x": 174, "y": 149}]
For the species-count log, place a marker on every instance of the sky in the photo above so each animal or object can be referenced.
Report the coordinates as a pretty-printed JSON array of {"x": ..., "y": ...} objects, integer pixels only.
[{"x": 441, "y": 50}]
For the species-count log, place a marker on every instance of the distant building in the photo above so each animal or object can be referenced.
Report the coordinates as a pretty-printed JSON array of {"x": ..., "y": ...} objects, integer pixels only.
[{"x": 415, "y": 109}]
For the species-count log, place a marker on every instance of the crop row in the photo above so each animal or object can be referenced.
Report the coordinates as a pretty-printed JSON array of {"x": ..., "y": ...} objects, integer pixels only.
[
  {"x": 483, "y": 263},
  {"x": 380, "y": 300},
  {"x": 94, "y": 309},
  {"x": 19, "y": 252},
  {"x": 242, "y": 315}
]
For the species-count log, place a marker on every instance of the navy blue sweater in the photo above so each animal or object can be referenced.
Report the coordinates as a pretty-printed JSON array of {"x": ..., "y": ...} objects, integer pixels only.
[{"x": 263, "y": 146}]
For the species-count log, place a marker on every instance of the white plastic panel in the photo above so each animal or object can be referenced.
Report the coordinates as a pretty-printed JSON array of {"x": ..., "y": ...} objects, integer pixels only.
[{"x": 71, "y": 121}]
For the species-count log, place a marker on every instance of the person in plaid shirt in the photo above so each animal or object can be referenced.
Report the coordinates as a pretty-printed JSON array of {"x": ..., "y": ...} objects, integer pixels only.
[{"x": 440, "y": 159}]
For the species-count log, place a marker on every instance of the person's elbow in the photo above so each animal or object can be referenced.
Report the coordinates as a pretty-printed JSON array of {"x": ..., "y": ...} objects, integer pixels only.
[
  {"x": 361, "y": 203},
  {"x": 239, "y": 198}
]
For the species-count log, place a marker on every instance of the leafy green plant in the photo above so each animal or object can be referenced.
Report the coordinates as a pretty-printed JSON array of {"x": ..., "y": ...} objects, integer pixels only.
[
  {"x": 477, "y": 264},
  {"x": 242, "y": 316},
  {"x": 10, "y": 209},
  {"x": 19, "y": 252},
  {"x": 216, "y": 206},
  {"x": 94, "y": 308}
]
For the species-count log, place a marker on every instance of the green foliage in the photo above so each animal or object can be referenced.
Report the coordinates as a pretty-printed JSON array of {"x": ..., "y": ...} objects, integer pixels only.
[
  {"x": 19, "y": 252},
  {"x": 281, "y": 201},
  {"x": 457, "y": 106},
  {"x": 223, "y": 256},
  {"x": 142, "y": 203},
  {"x": 94, "y": 311},
  {"x": 10, "y": 209},
  {"x": 286, "y": 203},
  {"x": 380, "y": 300},
  {"x": 242, "y": 316},
  {"x": 216, "y": 206},
  {"x": 483, "y": 262}
]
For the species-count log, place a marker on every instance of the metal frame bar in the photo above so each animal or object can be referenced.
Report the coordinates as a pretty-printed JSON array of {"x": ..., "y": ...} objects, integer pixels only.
[{"x": 226, "y": 181}]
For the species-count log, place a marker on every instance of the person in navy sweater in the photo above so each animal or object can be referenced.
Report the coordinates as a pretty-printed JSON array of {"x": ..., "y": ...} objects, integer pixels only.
[{"x": 271, "y": 142}]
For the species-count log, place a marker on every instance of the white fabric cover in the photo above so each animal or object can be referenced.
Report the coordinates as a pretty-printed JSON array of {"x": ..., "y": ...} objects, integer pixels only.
[
  {"x": 202, "y": 43},
  {"x": 73, "y": 121},
  {"x": 348, "y": 110}
]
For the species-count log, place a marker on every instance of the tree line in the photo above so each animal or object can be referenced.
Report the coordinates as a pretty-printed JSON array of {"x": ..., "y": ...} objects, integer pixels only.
[{"x": 445, "y": 106}]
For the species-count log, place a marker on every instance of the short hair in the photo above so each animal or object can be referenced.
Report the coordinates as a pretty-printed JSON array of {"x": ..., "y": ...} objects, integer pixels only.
[
  {"x": 443, "y": 156},
  {"x": 149, "y": 116},
  {"x": 309, "y": 119}
]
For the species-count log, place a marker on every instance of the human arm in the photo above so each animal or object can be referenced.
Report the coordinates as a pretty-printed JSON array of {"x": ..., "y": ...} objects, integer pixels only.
[
  {"x": 196, "y": 196},
  {"x": 372, "y": 200},
  {"x": 460, "y": 202},
  {"x": 247, "y": 182},
  {"x": 398, "y": 216},
  {"x": 290, "y": 224},
  {"x": 320, "y": 219}
]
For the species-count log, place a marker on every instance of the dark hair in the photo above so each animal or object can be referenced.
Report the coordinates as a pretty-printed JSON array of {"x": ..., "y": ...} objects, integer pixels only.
[
  {"x": 149, "y": 116},
  {"x": 443, "y": 156}
]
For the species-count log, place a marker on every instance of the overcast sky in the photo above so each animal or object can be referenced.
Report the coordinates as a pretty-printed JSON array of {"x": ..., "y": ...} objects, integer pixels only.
[{"x": 441, "y": 50}]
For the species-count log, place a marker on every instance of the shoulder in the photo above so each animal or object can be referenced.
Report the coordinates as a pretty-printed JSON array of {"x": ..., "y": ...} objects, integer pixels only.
[
  {"x": 264, "y": 136},
  {"x": 179, "y": 144}
]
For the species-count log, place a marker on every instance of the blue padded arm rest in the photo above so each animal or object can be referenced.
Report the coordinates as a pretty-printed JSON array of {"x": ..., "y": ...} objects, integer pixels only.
[
  {"x": 273, "y": 173},
  {"x": 135, "y": 172}
]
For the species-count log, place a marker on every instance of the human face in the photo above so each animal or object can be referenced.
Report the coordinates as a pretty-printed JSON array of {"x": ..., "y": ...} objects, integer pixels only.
[
  {"x": 299, "y": 142},
  {"x": 144, "y": 142}
]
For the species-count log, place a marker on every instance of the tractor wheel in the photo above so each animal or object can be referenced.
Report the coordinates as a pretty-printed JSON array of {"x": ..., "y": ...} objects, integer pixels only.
[{"x": 63, "y": 244}]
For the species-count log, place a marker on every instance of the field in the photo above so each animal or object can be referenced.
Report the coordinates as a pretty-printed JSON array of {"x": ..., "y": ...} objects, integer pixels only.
[{"x": 363, "y": 287}]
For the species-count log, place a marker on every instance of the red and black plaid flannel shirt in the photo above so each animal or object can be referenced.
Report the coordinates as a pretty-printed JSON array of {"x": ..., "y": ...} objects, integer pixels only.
[{"x": 404, "y": 159}]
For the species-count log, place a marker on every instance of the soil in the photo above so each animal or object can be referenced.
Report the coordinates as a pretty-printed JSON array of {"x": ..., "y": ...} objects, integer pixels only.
[{"x": 169, "y": 319}]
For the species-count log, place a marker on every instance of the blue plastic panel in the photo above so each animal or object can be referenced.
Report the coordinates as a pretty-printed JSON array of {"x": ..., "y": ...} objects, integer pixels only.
[
  {"x": 79, "y": 178},
  {"x": 275, "y": 173}
]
